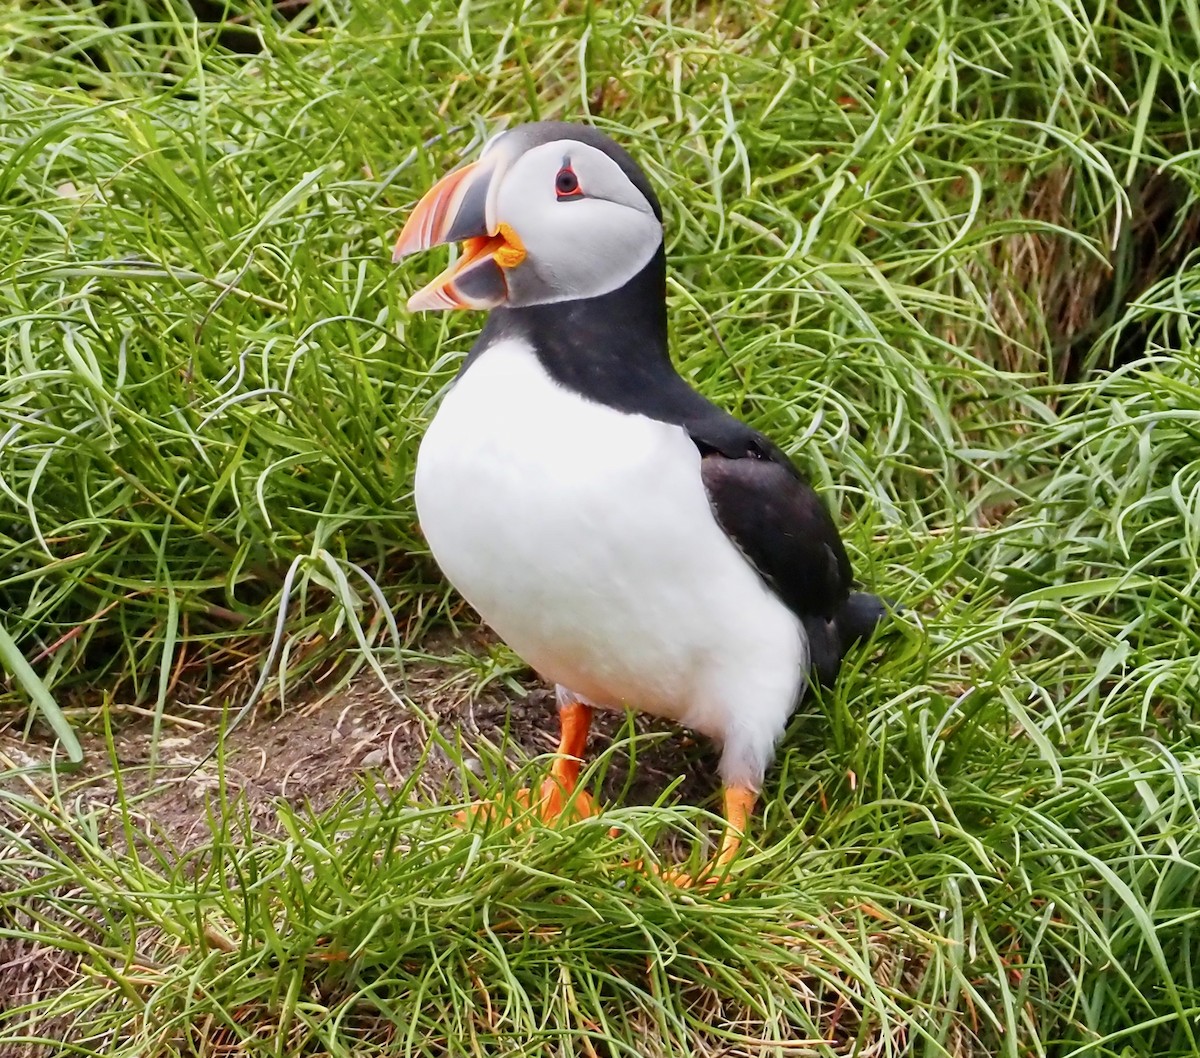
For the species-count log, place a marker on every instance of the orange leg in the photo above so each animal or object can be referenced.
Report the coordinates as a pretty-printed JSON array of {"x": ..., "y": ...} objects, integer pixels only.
[
  {"x": 558, "y": 791},
  {"x": 739, "y": 804}
]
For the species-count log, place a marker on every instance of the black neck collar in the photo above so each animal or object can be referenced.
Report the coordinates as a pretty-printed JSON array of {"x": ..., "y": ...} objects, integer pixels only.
[{"x": 611, "y": 349}]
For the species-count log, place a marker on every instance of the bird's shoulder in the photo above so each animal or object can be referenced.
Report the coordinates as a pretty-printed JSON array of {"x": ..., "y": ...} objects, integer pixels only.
[{"x": 772, "y": 514}]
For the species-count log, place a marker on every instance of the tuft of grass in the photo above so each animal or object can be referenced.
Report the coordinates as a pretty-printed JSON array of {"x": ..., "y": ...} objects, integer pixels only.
[
  {"x": 963, "y": 898},
  {"x": 941, "y": 254}
]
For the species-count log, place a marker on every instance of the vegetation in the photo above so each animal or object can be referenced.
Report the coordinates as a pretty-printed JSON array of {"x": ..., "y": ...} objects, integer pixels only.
[{"x": 943, "y": 252}]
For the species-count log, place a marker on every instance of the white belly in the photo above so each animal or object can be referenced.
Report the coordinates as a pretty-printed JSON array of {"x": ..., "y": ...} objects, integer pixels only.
[{"x": 584, "y": 537}]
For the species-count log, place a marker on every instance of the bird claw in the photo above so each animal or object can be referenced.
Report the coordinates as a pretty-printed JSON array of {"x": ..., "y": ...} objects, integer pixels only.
[
  {"x": 685, "y": 879},
  {"x": 551, "y": 804},
  {"x": 554, "y": 804},
  {"x": 709, "y": 875}
]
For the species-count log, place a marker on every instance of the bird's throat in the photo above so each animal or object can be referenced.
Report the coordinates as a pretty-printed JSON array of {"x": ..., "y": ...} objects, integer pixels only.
[{"x": 606, "y": 347}]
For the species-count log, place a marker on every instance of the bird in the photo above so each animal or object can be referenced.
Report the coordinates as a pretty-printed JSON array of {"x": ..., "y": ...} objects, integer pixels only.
[{"x": 635, "y": 544}]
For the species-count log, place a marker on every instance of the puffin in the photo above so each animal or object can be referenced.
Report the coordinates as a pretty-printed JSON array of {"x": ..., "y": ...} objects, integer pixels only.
[{"x": 636, "y": 545}]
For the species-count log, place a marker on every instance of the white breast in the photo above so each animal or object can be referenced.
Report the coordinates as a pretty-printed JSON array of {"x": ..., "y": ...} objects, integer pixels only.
[{"x": 584, "y": 537}]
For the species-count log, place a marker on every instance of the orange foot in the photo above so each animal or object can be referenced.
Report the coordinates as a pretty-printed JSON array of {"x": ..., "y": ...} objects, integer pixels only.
[
  {"x": 708, "y": 874},
  {"x": 555, "y": 803},
  {"x": 551, "y": 804},
  {"x": 683, "y": 879},
  {"x": 739, "y": 803},
  {"x": 559, "y": 799}
]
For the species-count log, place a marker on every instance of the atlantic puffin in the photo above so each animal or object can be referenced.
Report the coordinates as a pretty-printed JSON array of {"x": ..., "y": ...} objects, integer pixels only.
[{"x": 635, "y": 544}]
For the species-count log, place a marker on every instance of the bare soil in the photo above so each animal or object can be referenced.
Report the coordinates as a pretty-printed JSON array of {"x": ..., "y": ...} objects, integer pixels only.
[
  {"x": 313, "y": 752},
  {"x": 318, "y": 749}
]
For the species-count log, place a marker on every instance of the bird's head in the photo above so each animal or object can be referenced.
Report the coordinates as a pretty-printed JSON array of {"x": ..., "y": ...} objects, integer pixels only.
[{"x": 550, "y": 212}]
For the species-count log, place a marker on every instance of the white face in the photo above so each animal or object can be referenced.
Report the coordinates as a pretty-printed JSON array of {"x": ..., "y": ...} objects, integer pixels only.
[
  {"x": 586, "y": 229},
  {"x": 548, "y": 214}
]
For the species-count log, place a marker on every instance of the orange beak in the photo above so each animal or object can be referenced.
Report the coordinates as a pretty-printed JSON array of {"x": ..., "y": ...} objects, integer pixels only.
[{"x": 456, "y": 209}]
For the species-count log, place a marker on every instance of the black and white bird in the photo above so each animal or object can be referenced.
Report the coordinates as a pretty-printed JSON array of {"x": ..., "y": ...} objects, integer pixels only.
[{"x": 636, "y": 545}]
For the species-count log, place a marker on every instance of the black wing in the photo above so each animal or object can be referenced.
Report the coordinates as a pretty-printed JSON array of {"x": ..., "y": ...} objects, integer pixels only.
[
  {"x": 780, "y": 524},
  {"x": 782, "y": 527}
]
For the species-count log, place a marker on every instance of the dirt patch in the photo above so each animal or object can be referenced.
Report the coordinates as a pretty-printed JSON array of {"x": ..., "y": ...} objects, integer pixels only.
[
  {"x": 314, "y": 752},
  {"x": 320, "y": 748}
]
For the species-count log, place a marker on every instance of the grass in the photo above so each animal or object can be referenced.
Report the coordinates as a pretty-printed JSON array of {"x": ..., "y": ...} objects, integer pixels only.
[{"x": 942, "y": 252}]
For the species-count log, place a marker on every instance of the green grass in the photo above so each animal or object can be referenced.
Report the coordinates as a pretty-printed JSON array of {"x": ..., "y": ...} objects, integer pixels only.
[{"x": 941, "y": 251}]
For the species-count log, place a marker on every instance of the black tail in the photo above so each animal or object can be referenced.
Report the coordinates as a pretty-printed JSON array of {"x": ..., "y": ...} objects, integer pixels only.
[
  {"x": 828, "y": 641},
  {"x": 858, "y": 617}
]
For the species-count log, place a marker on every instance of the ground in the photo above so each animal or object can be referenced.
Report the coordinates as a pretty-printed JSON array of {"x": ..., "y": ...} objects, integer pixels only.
[
  {"x": 327, "y": 744},
  {"x": 322, "y": 749}
]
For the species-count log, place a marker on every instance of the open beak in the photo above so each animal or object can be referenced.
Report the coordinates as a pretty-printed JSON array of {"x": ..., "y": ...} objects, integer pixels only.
[{"x": 456, "y": 209}]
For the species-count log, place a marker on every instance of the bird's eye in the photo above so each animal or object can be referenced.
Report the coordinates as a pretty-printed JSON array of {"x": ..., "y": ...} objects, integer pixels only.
[{"x": 566, "y": 183}]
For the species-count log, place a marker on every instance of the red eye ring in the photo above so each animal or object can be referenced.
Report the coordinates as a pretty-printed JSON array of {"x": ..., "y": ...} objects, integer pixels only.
[{"x": 566, "y": 184}]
